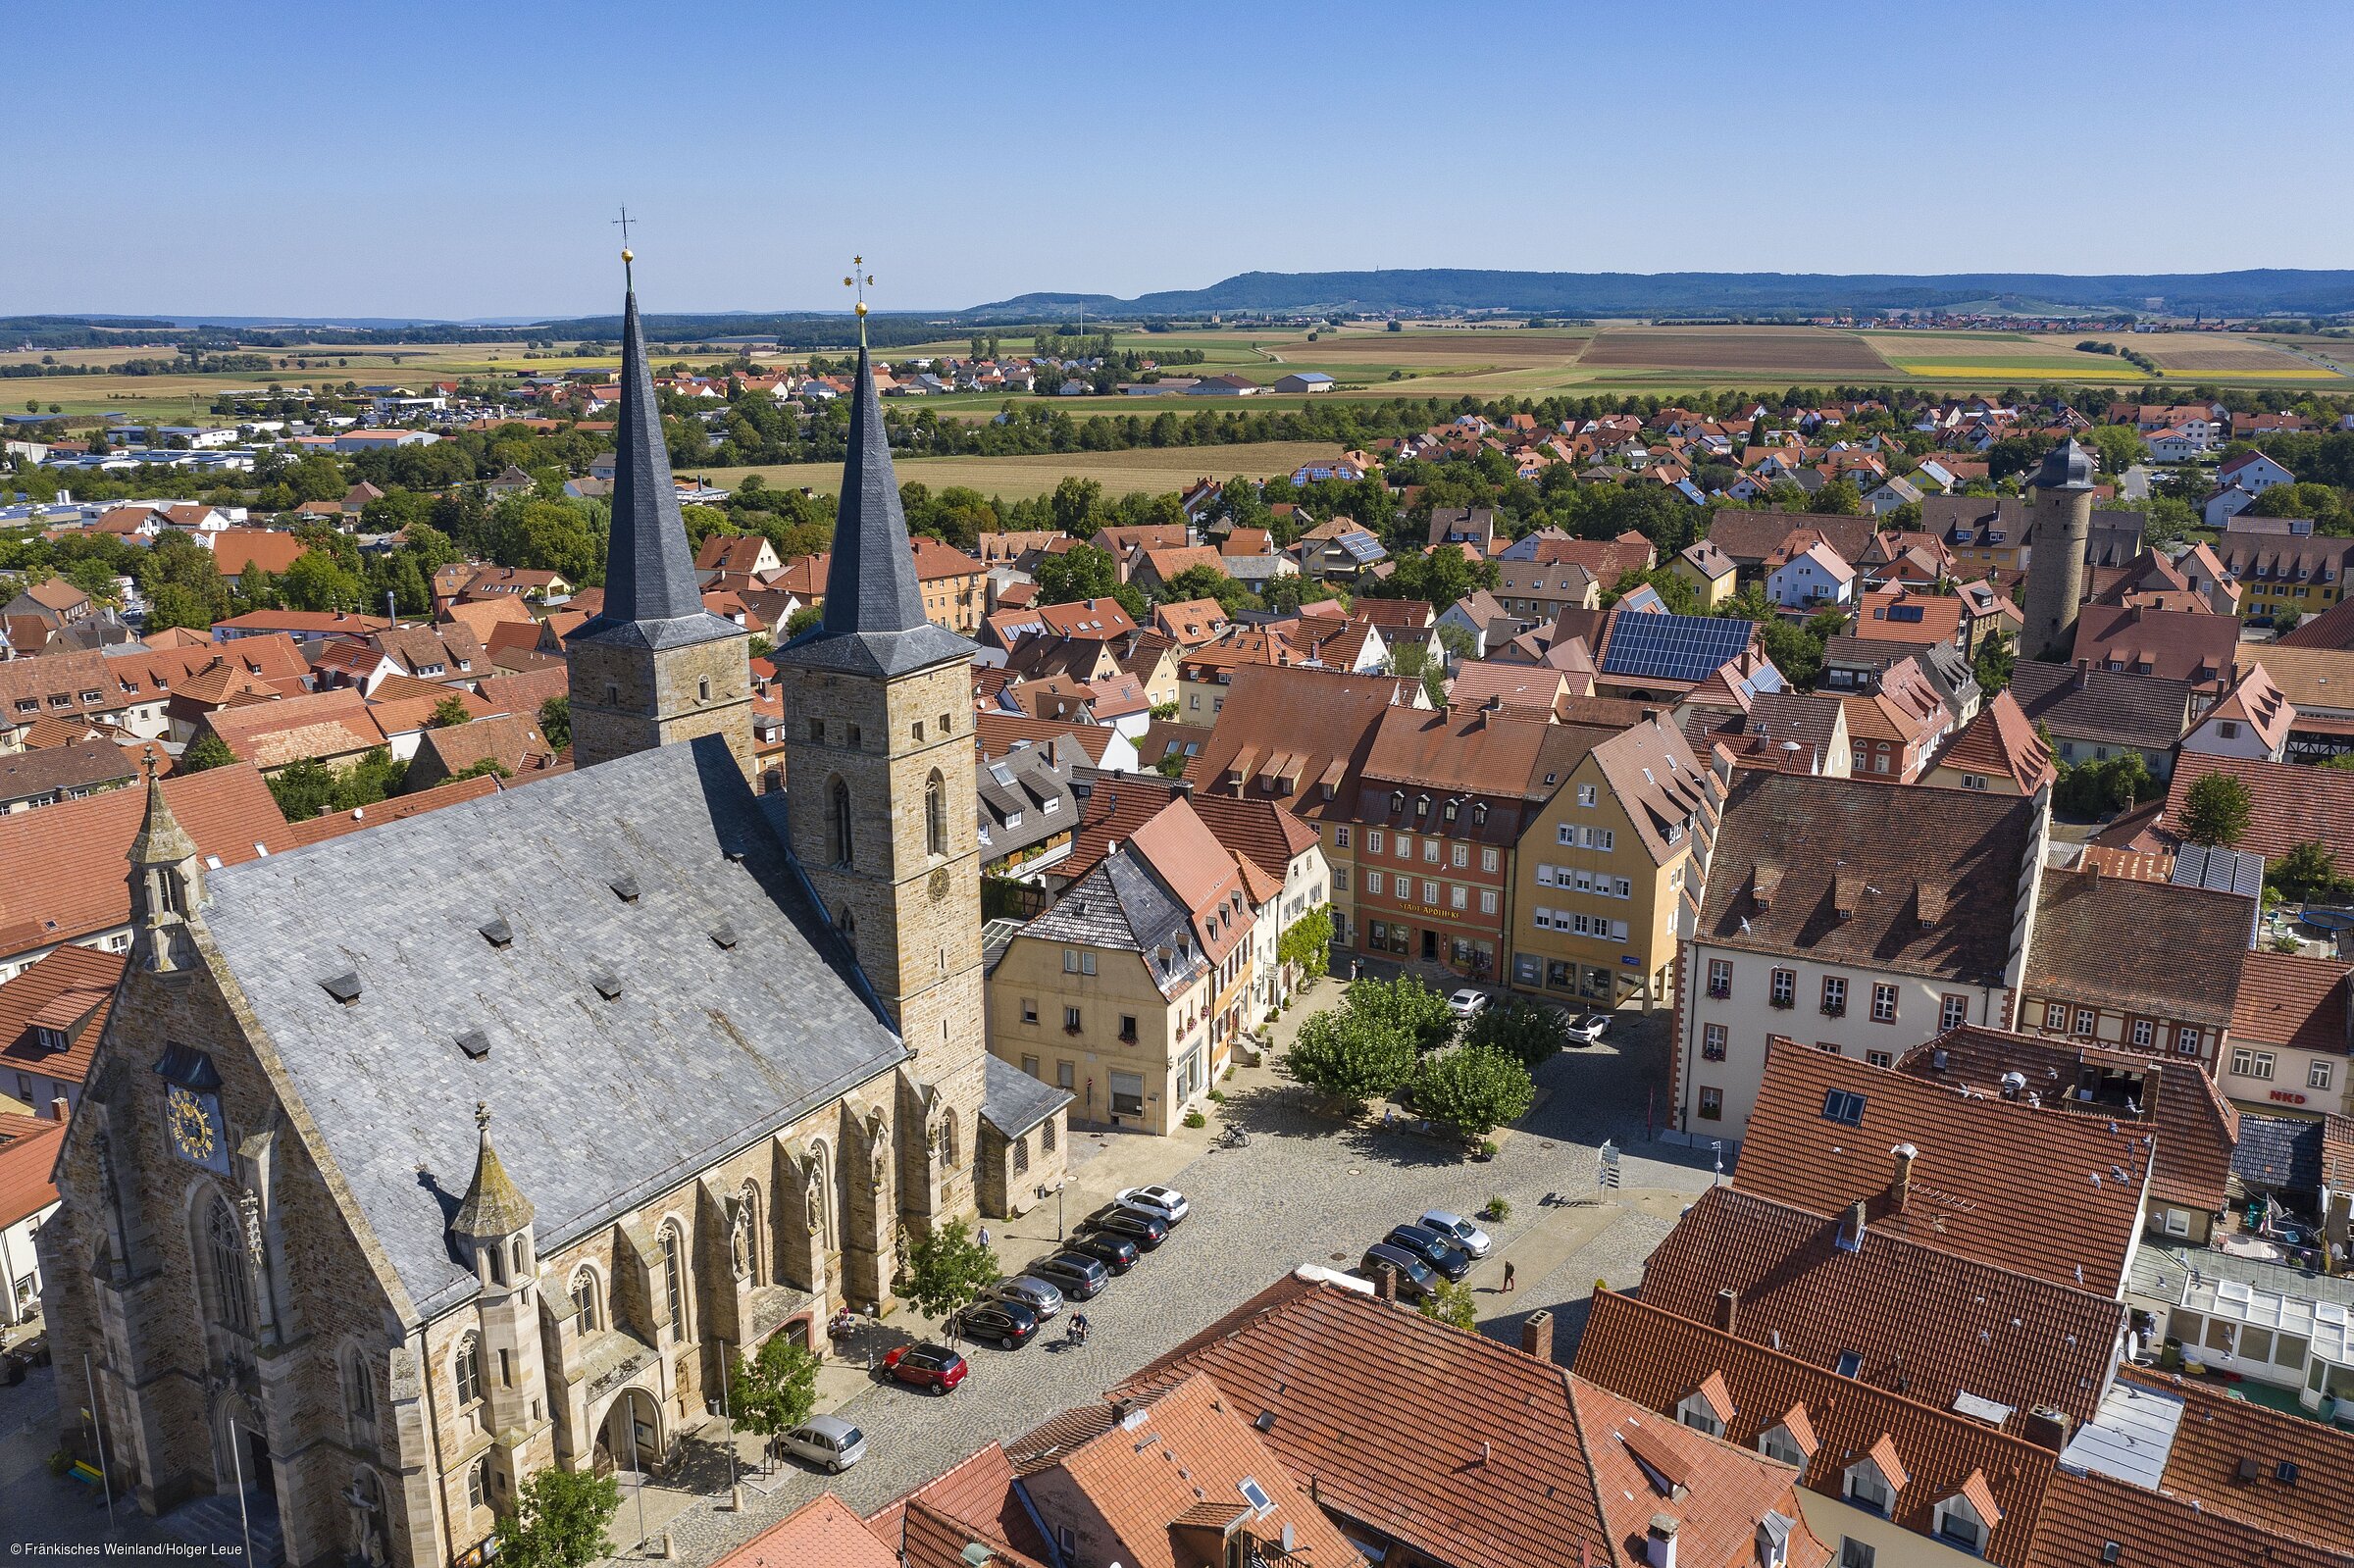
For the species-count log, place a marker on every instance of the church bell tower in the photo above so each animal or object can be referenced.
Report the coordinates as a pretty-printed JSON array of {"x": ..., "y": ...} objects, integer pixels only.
[{"x": 879, "y": 770}]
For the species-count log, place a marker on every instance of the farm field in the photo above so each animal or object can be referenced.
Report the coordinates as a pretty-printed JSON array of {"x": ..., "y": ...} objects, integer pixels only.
[
  {"x": 2006, "y": 356},
  {"x": 1765, "y": 350},
  {"x": 1144, "y": 469},
  {"x": 2216, "y": 354}
]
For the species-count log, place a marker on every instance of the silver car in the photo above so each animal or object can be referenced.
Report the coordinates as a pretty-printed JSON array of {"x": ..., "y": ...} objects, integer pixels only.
[
  {"x": 1471, "y": 1238},
  {"x": 828, "y": 1441},
  {"x": 1029, "y": 1290}
]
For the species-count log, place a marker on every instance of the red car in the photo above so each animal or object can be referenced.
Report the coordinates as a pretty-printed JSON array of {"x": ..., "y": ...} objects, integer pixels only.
[{"x": 926, "y": 1366}]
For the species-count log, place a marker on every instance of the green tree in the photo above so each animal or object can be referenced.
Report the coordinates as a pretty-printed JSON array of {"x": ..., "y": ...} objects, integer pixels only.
[
  {"x": 559, "y": 1520},
  {"x": 2216, "y": 810},
  {"x": 1452, "y": 1304},
  {"x": 805, "y": 618},
  {"x": 173, "y": 604},
  {"x": 2307, "y": 874},
  {"x": 303, "y": 789},
  {"x": 947, "y": 1269},
  {"x": 207, "y": 750},
  {"x": 1996, "y": 657},
  {"x": 1208, "y": 583},
  {"x": 1306, "y": 943},
  {"x": 1839, "y": 498},
  {"x": 1081, "y": 571},
  {"x": 775, "y": 1390},
  {"x": 1406, "y": 1006},
  {"x": 448, "y": 714},
  {"x": 317, "y": 581},
  {"x": 555, "y": 720},
  {"x": 2119, "y": 445},
  {"x": 1523, "y": 1030},
  {"x": 1474, "y": 1089},
  {"x": 1349, "y": 1057}
]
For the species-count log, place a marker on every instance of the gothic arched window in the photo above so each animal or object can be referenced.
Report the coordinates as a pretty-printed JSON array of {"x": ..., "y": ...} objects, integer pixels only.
[
  {"x": 838, "y": 822},
  {"x": 589, "y": 1300},
  {"x": 936, "y": 814},
  {"x": 359, "y": 1388},
  {"x": 233, "y": 1294},
  {"x": 470, "y": 1371},
  {"x": 674, "y": 1280},
  {"x": 1021, "y": 1155}
]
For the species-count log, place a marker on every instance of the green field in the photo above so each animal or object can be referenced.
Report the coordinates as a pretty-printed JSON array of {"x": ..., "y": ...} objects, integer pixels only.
[{"x": 1141, "y": 471}]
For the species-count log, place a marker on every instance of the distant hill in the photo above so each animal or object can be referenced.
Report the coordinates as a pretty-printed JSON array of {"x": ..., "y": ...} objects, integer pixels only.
[{"x": 2256, "y": 293}]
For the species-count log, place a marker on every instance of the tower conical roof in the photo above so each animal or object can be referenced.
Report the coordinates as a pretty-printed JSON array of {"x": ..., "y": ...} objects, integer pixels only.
[
  {"x": 494, "y": 1205},
  {"x": 652, "y": 595},
  {"x": 2066, "y": 467},
  {"x": 161, "y": 840},
  {"x": 873, "y": 620}
]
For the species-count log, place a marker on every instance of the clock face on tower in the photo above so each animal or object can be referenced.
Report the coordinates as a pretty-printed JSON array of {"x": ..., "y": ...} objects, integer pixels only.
[{"x": 194, "y": 1122}]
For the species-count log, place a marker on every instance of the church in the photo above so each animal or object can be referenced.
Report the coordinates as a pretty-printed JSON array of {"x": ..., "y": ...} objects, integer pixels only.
[{"x": 422, "y": 1159}]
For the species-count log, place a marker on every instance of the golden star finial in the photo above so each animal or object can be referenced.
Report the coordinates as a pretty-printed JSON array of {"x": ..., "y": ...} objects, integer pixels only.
[{"x": 860, "y": 280}]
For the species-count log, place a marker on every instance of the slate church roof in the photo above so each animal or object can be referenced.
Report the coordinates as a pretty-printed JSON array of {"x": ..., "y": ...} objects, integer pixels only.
[
  {"x": 874, "y": 611},
  {"x": 639, "y": 989}
]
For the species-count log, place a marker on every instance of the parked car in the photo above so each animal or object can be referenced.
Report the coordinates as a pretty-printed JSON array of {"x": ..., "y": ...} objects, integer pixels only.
[
  {"x": 1416, "y": 1280},
  {"x": 1115, "y": 1253},
  {"x": 1467, "y": 1004},
  {"x": 827, "y": 1441},
  {"x": 1461, "y": 1232},
  {"x": 1038, "y": 1295},
  {"x": 1444, "y": 1256},
  {"x": 925, "y": 1366},
  {"x": 995, "y": 1320},
  {"x": 1147, "y": 1230},
  {"x": 1164, "y": 1203},
  {"x": 1077, "y": 1276},
  {"x": 1587, "y": 1031}
]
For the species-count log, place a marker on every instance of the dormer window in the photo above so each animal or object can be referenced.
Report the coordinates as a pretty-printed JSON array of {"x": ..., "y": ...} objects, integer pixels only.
[
  {"x": 1695, "y": 1412},
  {"x": 1968, "y": 1517},
  {"x": 1873, "y": 1481}
]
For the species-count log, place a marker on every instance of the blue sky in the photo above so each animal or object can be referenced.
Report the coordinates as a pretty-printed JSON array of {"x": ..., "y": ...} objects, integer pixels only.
[{"x": 430, "y": 159}]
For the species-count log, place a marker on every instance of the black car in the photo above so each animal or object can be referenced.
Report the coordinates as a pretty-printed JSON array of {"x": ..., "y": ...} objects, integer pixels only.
[
  {"x": 1079, "y": 1276},
  {"x": 1444, "y": 1256},
  {"x": 1115, "y": 1254},
  {"x": 1143, "y": 1228},
  {"x": 1008, "y": 1325}
]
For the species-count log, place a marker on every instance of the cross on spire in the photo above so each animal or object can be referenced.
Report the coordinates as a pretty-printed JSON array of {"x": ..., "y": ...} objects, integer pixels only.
[
  {"x": 860, "y": 280},
  {"x": 627, "y": 255}
]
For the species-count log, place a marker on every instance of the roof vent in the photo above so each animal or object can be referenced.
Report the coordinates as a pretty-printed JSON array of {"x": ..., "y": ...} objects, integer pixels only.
[
  {"x": 343, "y": 987},
  {"x": 1266, "y": 1420},
  {"x": 499, "y": 933},
  {"x": 606, "y": 982},
  {"x": 2111, "y": 1551},
  {"x": 724, "y": 934},
  {"x": 2249, "y": 1469},
  {"x": 475, "y": 1044},
  {"x": 625, "y": 888},
  {"x": 2014, "y": 1083}
]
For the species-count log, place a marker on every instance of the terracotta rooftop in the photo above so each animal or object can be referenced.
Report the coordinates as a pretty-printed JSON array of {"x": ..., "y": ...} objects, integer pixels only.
[
  {"x": 822, "y": 1530},
  {"x": 2001, "y": 742},
  {"x": 1658, "y": 1358},
  {"x": 72, "y": 854},
  {"x": 2183, "y": 961},
  {"x": 2172, "y": 644},
  {"x": 70, "y": 992},
  {"x": 1984, "y": 1178},
  {"x": 997, "y": 733},
  {"x": 2084, "y": 1515},
  {"x": 2289, "y": 804},
  {"x": 2010, "y": 1337},
  {"x": 28, "y": 1147},
  {"x": 2197, "y": 1126},
  {"x": 1467, "y": 1450},
  {"x": 316, "y": 724},
  {"x": 2288, "y": 1000},
  {"x": 1325, "y": 717},
  {"x": 2105, "y": 706},
  {"x": 2218, "y": 1432},
  {"x": 1931, "y": 876},
  {"x": 336, "y": 824}
]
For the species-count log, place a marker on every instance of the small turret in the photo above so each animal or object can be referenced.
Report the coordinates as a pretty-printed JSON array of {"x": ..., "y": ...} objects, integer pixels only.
[
  {"x": 167, "y": 882},
  {"x": 494, "y": 1225}
]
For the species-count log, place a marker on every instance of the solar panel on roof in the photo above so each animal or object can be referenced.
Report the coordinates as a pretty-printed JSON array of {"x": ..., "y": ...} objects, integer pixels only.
[
  {"x": 1673, "y": 648},
  {"x": 1363, "y": 546}
]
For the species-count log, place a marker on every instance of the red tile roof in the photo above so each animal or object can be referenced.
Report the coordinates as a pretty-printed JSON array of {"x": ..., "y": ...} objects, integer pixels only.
[
  {"x": 1655, "y": 1358},
  {"x": 2290, "y": 804},
  {"x": 1985, "y": 1178},
  {"x": 976, "y": 1498},
  {"x": 76, "y": 879},
  {"x": 2084, "y": 1515},
  {"x": 400, "y": 808},
  {"x": 29, "y": 1149},
  {"x": 2218, "y": 1431},
  {"x": 2001, "y": 744},
  {"x": 69, "y": 990},
  {"x": 2292, "y": 1001},
  {"x": 316, "y": 724},
  {"x": 822, "y": 1530},
  {"x": 2183, "y": 963}
]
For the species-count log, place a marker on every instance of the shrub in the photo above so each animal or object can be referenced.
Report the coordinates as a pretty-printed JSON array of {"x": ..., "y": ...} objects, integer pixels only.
[
  {"x": 1500, "y": 1208},
  {"x": 1219, "y": 1096},
  {"x": 1196, "y": 1119},
  {"x": 1452, "y": 1304}
]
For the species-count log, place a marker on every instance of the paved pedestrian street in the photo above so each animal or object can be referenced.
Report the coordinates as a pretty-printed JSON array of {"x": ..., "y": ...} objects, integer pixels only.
[{"x": 1307, "y": 1189}]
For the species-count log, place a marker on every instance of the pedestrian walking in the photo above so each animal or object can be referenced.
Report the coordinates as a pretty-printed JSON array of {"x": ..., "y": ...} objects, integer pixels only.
[
  {"x": 1508, "y": 1283},
  {"x": 985, "y": 1236}
]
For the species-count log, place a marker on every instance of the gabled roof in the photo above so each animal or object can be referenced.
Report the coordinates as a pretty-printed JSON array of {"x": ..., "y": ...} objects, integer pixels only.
[
  {"x": 2289, "y": 804},
  {"x": 2288, "y": 1000},
  {"x": 2084, "y": 1515},
  {"x": 72, "y": 852},
  {"x": 1655, "y": 1357},
  {"x": 822, "y": 1530},
  {"x": 1984, "y": 1176},
  {"x": 2001, "y": 742},
  {"x": 2196, "y": 1126},
  {"x": 2216, "y": 1432},
  {"x": 2175, "y": 644},
  {"x": 29, "y": 1147},
  {"x": 68, "y": 992},
  {"x": 316, "y": 724},
  {"x": 1931, "y": 876},
  {"x": 1999, "y": 1335},
  {"x": 1326, "y": 718},
  {"x": 2112, "y": 707},
  {"x": 703, "y": 1050},
  {"x": 2181, "y": 962}
]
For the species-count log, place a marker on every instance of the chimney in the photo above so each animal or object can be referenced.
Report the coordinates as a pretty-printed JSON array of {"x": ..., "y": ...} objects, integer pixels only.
[
  {"x": 1659, "y": 1541},
  {"x": 2046, "y": 1428},
  {"x": 1385, "y": 1282},
  {"x": 1851, "y": 1232},
  {"x": 59, "y": 1108},
  {"x": 1536, "y": 1335},
  {"x": 1900, "y": 1185},
  {"x": 2089, "y": 867},
  {"x": 1729, "y": 1310}
]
